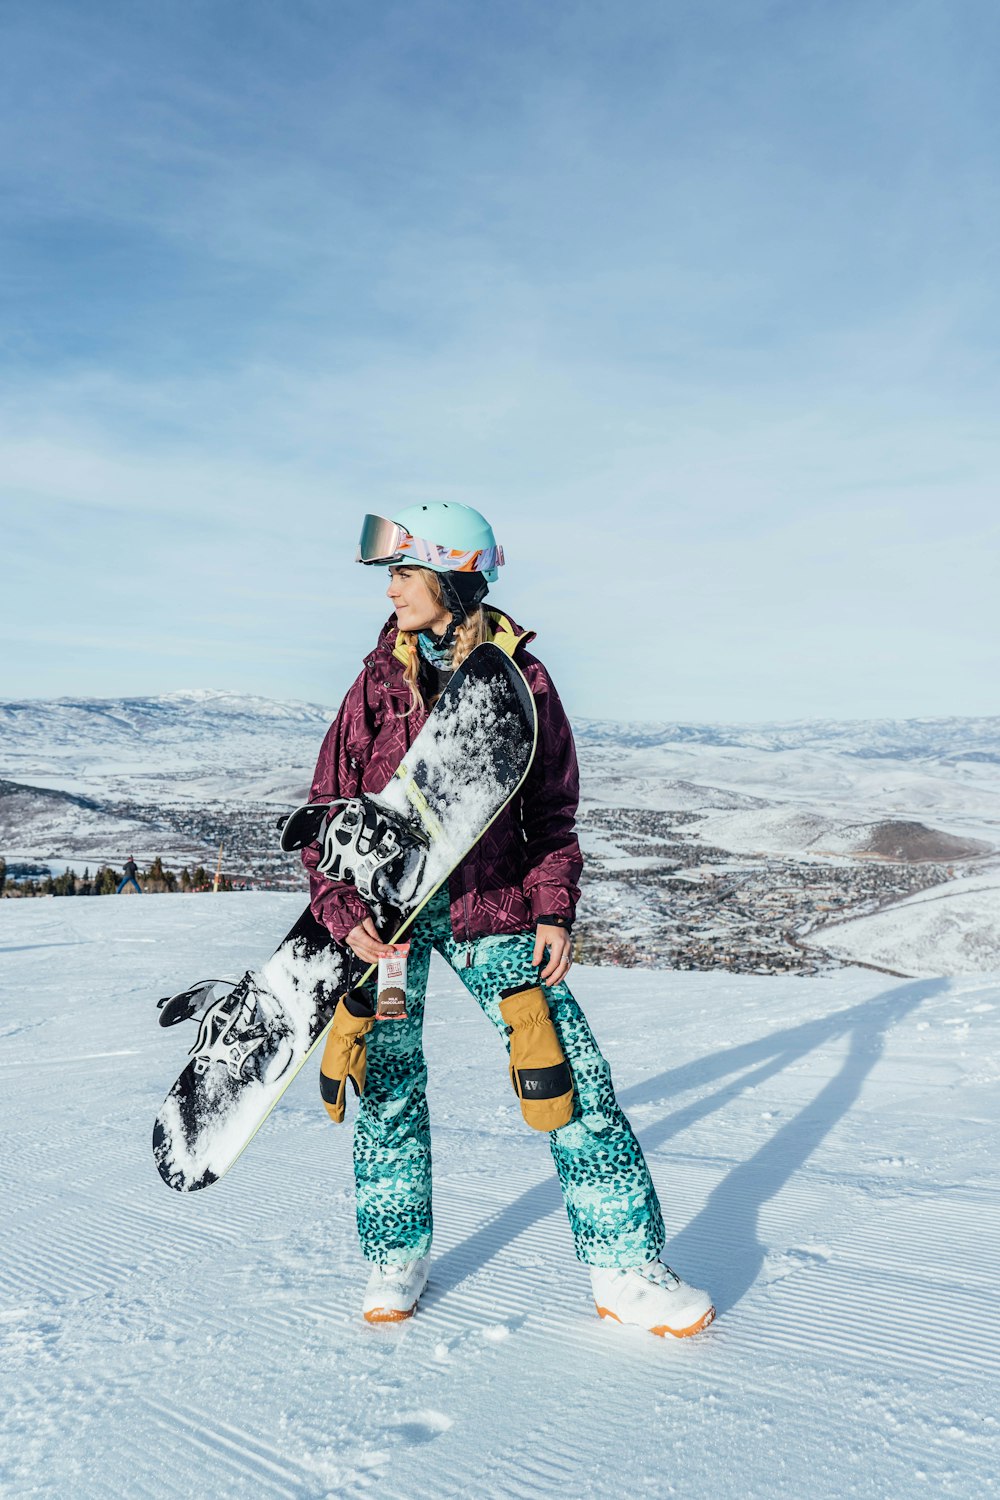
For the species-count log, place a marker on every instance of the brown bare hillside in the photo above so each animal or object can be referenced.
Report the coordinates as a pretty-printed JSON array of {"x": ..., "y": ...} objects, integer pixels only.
[{"x": 897, "y": 839}]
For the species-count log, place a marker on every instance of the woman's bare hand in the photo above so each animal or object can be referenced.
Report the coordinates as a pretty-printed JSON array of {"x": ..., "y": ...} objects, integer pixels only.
[
  {"x": 560, "y": 945},
  {"x": 364, "y": 941}
]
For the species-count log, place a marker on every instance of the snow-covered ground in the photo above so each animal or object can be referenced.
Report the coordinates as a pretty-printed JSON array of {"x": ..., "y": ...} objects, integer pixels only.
[
  {"x": 827, "y": 1155},
  {"x": 949, "y": 929},
  {"x": 797, "y": 800}
]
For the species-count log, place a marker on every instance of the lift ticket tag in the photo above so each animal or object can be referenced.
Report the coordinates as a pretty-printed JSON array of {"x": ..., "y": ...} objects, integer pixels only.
[{"x": 392, "y": 985}]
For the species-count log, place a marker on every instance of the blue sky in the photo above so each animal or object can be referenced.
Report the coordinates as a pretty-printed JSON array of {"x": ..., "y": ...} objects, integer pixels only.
[{"x": 697, "y": 301}]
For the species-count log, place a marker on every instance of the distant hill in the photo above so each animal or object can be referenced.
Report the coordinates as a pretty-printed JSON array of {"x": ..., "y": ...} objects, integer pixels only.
[
  {"x": 196, "y": 724},
  {"x": 896, "y": 739}
]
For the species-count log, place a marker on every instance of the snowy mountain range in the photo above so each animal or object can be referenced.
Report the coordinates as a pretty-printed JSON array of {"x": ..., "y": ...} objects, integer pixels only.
[
  {"x": 86, "y": 780},
  {"x": 201, "y": 721},
  {"x": 193, "y": 724},
  {"x": 896, "y": 739}
]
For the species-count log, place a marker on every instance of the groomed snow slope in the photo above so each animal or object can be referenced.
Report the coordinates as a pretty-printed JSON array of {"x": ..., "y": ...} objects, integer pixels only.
[{"x": 826, "y": 1151}]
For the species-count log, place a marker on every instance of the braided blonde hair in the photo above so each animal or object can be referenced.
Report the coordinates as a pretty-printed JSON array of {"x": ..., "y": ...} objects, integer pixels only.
[{"x": 474, "y": 631}]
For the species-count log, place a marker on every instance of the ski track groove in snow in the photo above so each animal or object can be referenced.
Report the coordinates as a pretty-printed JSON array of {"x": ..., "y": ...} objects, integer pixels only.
[
  {"x": 825, "y": 1152},
  {"x": 232, "y": 1450}
]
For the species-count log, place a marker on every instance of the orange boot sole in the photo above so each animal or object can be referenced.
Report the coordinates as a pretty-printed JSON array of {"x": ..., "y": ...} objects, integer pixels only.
[
  {"x": 389, "y": 1314},
  {"x": 663, "y": 1330}
]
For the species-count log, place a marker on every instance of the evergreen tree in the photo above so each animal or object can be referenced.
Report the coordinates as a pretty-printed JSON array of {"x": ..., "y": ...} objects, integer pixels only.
[{"x": 156, "y": 878}]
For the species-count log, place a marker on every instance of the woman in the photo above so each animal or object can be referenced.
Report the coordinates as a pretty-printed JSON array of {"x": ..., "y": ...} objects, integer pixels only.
[{"x": 503, "y": 923}]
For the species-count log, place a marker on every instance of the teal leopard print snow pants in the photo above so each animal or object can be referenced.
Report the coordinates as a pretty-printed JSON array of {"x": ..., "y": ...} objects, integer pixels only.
[{"x": 612, "y": 1205}]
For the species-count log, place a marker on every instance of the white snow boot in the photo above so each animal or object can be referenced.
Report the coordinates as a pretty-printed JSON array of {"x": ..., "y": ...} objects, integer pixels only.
[
  {"x": 652, "y": 1297},
  {"x": 393, "y": 1292}
]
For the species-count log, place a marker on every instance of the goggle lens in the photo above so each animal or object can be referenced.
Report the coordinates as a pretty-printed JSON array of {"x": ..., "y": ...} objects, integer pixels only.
[{"x": 380, "y": 539}]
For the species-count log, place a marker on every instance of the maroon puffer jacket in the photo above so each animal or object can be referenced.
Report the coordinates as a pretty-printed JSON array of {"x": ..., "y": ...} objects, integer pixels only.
[{"x": 526, "y": 867}]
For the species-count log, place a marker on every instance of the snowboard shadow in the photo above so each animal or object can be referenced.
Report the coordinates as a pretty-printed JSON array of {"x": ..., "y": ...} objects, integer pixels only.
[{"x": 721, "y": 1247}]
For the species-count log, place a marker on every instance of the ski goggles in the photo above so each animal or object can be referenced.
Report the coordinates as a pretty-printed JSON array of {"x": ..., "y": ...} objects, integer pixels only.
[{"x": 384, "y": 541}]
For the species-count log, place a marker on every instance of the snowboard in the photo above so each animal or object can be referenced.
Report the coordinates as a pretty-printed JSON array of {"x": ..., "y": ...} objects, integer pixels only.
[{"x": 468, "y": 761}]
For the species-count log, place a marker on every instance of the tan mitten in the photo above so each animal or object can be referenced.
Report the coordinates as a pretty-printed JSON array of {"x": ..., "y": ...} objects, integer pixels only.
[
  {"x": 344, "y": 1056},
  {"x": 538, "y": 1068}
]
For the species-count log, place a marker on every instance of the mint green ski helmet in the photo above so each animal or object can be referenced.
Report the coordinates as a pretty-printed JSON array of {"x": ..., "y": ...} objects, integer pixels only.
[{"x": 442, "y": 535}]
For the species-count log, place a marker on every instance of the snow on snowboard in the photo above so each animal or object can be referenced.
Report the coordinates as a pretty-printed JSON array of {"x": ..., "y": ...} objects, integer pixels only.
[{"x": 399, "y": 846}]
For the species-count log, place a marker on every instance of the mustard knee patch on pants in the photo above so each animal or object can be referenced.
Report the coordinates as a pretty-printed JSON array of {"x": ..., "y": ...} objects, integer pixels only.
[{"x": 538, "y": 1068}]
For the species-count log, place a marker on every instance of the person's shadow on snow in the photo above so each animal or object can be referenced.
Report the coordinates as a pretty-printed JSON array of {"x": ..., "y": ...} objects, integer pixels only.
[{"x": 720, "y": 1248}]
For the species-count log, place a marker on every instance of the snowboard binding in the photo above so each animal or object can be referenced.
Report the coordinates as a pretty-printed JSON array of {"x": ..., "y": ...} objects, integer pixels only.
[
  {"x": 232, "y": 1032},
  {"x": 380, "y": 853},
  {"x": 190, "y": 1004}
]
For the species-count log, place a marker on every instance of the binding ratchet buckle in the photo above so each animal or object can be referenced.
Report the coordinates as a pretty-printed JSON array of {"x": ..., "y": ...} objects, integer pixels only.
[{"x": 229, "y": 1033}]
